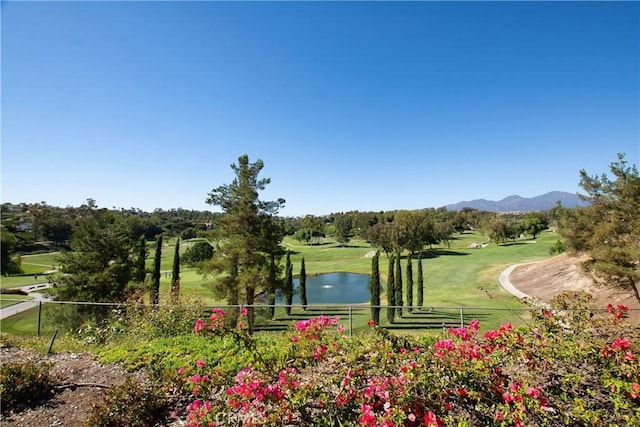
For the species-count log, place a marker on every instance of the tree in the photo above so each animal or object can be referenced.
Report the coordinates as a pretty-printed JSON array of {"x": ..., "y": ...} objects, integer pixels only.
[
  {"x": 391, "y": 291},
  {"x": 344, "y": 225},
  {"x": 200, "y": 251},
  {"x": 398, "y": 287},
  {"x": 155, "y": 281},
  {"x": 381, "y": 235},
  {"x": 99, "y": 266},
  {"x": 420, "y": 284},
  {"x": 287, "y": 289},
  {"x": 409, "y": 282},
  {"x": 175, "y": 273},
  {"x": 10, "y": 264},
  {"x": 497, "y": 230},
  {"x": 242, "y": 258},
  {"x": 609, "y": 228},
  {"x": 141, "y": 270},
  {"x": 303, "y": 285},
  {"x": 535, "y": 223},
  {"x": 374, "y": 289}
]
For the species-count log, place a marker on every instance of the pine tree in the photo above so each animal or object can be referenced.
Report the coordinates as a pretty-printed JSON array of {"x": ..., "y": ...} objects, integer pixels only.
[
  {"x": 398, "y": 276},
  {"x": 391, "y": 291},
  {"x": 155, "y": 284},
  {"x": 420, "y": 283},
  {"x": 287, "y": 289},
  {"x": 140, "y": 271},
  {"x": 303, "y": 285},
  {"x": 248, "y": 233},
  {"x": 175, "y": 273},
  {"x": 374, "y": 288},
  {"x": 409, "y": 282}
]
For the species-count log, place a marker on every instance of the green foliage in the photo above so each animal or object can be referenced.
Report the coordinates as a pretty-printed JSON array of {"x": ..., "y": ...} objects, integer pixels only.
[
  {"x": 249, "y": 235},
  {"x": 420, "y": 283},
  {"x": 10, "y": 263},
  {"x": 175, "y": 272},
  {"x": 199, "y": 252},
  {"x": 101, "y": 264},
  {"x": 140, "y": 270},
  {"x": 558, "y": 248},
  {"x": 303, "y": 284},
  {"x": 409, "y": 282},
  {"x": 155, "y": 280},
  {"x": 374, "y": 288},
  {"x": 129, "y": 404},
  {"x": 287, "y": 289},
  {"x": 609, "y": 228},
  {"x": 391, "y": 291},
  {"x": 23, "y": 384},
  {"x": 398, "y": 286},
  {"x": 343, "y": 226}
]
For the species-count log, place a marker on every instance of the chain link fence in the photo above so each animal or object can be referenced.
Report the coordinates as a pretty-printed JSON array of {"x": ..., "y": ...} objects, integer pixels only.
[{"x": 39, "y": 317}]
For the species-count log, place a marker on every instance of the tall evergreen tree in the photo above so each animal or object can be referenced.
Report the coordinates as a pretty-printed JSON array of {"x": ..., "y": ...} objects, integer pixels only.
[
  {"x": 140, "y": 270},
  {"x": 287, "y": 289},
  {"x": 246, "y": 234},
  {"x": 155, "y": 283},
  {"x": 175, "y": 273},
  {"x": 409, "y": 282},
  {"x": 391, "y": 291},
  {"x": 420, "y": 283},
  {"x": 303, "y": 285},
  {"x": 398, "y": 276},
  {"x": 374, "y": 289}
]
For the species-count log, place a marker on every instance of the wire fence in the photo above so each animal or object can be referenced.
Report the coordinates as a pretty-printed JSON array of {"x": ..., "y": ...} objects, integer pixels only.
[{"x": 39, "y": 317}]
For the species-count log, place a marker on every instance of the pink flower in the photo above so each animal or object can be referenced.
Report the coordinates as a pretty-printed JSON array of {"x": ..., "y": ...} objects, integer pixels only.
[
  {"x": 533, "y": 392},
  {"x": 243, "y": 311},
  {"x": 200, "y": 363},
  {"x": 294, "y": 338},
  {"x": 430, "y": 419},
  {"x": 200, "y": 325}
]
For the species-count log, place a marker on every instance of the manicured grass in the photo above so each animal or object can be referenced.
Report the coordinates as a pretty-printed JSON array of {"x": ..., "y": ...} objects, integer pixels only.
[{"x": 455, "y": 278}]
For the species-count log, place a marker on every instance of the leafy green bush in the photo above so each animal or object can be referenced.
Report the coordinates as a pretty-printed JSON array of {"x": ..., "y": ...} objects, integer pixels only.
[
  {"x": 130, "y": 405},
  {"x": 24, "y": 383}
]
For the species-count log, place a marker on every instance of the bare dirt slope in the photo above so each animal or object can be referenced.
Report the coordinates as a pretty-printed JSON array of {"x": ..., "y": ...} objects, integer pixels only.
[{"x": 545, "y": 279}]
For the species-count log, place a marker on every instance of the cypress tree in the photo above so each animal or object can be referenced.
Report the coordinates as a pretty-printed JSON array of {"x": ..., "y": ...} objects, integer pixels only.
[
  {"x": 140, "y": 270},
  {"x": 391, "y": 292},
  {"x": 303, "y": 285},
  {"x": 272, "y": 285},
  {"x": 175, "y": 273},
  {"x": 420, "y": 283},
  {"x": 374, "y": 289},
  {"x": 409, "y": 283},
  {"x": 155, "y": 283},
  {"x": 399, "y": 300},
  {"x": 288, "y": 284}
]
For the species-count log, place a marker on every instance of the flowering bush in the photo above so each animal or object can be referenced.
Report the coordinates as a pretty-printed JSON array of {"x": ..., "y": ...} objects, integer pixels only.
[{"x": 580, "y": 369}]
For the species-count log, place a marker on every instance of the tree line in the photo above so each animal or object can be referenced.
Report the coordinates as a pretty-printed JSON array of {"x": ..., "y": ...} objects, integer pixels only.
[{"x": 107, "y": 248}]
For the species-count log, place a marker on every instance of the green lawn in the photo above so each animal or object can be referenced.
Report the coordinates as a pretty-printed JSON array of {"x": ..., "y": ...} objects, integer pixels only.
[{"x": 456, "y": 278}]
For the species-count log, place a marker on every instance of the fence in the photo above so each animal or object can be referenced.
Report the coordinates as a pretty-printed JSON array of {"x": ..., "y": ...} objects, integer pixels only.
[{"x": 38, "y": 317}]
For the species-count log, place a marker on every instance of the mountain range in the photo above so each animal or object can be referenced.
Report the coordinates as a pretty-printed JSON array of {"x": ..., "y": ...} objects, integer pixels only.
[{"x": 516, "y": 203}]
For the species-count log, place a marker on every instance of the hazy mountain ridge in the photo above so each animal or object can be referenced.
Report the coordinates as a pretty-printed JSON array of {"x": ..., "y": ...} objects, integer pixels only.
[{"x": 516, "y": 203}]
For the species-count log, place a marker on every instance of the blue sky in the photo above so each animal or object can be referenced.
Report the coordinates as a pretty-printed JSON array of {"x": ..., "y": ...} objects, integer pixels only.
[{"x": 351, "y": 105}]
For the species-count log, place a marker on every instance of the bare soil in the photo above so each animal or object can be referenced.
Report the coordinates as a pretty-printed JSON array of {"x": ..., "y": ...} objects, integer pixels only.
[
  {"x": 71, "y": 406},
  {"x": 545, "y": 279}
]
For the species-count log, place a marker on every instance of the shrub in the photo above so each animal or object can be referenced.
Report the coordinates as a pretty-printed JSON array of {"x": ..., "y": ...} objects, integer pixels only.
[
  {"x": 24, "y": 383},
  {"x": 130, "y": 405}
]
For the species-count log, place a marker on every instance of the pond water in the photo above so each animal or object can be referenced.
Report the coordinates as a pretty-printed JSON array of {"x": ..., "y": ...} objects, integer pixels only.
[{"x": 334, "y": 288}]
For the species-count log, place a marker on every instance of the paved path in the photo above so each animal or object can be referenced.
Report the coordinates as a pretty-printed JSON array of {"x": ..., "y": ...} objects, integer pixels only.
[{"x": 26, "y": 305}]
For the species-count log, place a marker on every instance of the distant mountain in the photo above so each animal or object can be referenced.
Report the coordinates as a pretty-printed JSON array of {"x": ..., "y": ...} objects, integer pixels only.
[{"x": 522, "y": 204}]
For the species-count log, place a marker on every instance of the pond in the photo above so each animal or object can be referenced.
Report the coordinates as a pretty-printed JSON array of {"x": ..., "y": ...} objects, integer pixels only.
[{"x": 334, "y": 288}]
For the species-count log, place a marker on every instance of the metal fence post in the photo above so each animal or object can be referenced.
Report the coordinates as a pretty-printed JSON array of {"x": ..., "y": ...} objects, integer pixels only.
[
  {"x": 461, "y": 317},
  {"x": 350, "y": 322}
]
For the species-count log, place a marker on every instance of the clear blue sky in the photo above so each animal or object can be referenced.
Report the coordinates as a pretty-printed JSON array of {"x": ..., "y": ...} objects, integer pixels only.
[{"x": 351, "y": 106}]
